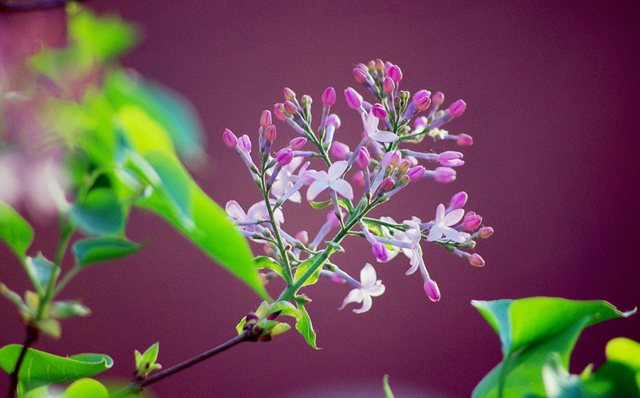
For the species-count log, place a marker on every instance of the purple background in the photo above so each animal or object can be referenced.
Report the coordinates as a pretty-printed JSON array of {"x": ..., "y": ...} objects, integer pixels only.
[{"x": 553, "y": 97}]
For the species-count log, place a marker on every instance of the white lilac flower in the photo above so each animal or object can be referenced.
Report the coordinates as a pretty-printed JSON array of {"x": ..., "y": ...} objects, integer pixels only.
[
  {"x": 442, "y": 225},
  {"x": 371, "y": 129},
  {"x": 332, "y": 180},
  {"x": 369, "y": 286},
  {"x": 249, "y": 220},
  {"x": 286, "y": 179}
]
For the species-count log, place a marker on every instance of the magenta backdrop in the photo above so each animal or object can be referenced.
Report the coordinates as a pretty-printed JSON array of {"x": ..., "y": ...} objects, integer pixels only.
[{"x": 553, "y": 103}]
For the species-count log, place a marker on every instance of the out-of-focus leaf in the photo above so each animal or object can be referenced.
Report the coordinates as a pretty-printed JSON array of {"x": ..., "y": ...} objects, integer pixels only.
[
  {"x": 40, "y": 368},
  {"x": 85, "y": 388},
  {"x": 530, "y": 330},
  {"x": 624, "y": 351},
  {"x": 62, "y": 66},
  {"x": 305, "y": 327},
  {"x": 94, "y": 250},
  {"x": 144, "y": 133},
  {"x": 99, "y": 214},
  {"x": 68, "y": 309},
  {"x": 106, "y": 38},
  {"x": 387, "y": 390},
  {"x": 13, "y": 297},
  {"x": 40, "y": 271},
  {"x": 15, "y": 231}
]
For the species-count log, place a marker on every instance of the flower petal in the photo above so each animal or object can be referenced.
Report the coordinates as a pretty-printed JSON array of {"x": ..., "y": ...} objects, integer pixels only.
[
  {"x": 234, "y": 210},
  {"x": 258, "y": 211},
  {"x": 435, "y": 233},
  {"x": 317, "y": 175},
  {"x": 337, "y": 170},
  {"x": 452, "y": 218},
  {"x": 295, "y": 197},
  {"x": 315, "y": 189},
  {"x": 453, "y": 234},
  {"x": 354, "y": 296},
  {"x": 371, "y": 124},
  {"x": 376, "y": 290},
  {"x": 383, "y": 136},
  {"x": 439, "y": 213},
  {"x": 343, "y": 188},
  {"x": 366, "y": 304},
  {"x": 368, "y": 275}
]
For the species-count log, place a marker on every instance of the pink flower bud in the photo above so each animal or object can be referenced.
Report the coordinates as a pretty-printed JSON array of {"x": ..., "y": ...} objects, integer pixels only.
[
  {"x": 363, "y": 157},
  {"x": 387, "y": 184},
  {"x": 476, "y": 260},
  {"x": 303, "y": 237},
  {"x": 420, "y": 123},
  {"x": 279, "y": 111},
  {"x": 405, "y": 164},
  {"x": 451, "y": 159},
  {"x": 458, "y": 200},
  {"x": 230, "y": 139},
  {"x": 284, "y": 156},
  {"x": 421, "y": 95},
  {"x": 394, "y": 158},
  {"x": 423, "y": 104},
  {"x": 387, "y": 66},
  {"x": 329, "y": 96},
  {"x": 380, "y": 252},
  {"x": 289, "y": 94},
  {"x": 457, "y": 108},
  {"x": 472, "y": 222},
  {"x": 297, "y": 143},
  {"x": 270, "y": 133},
  {"x": 379, "y": 66},
  {"x": 358, "y": 178},
  {"x": 395, "y": 73},
  {"x": 290, "y": 107},
  {"x": 388, "y": 85},
  {"x": 354, "y": 100},
  {"x": 438, "y": 98},
  {"x": 265, "y": 119},
  {"x": 359, "y": 75},
  {"x": 432, "y": 290},
  {"x": 485, "y": 232},
  {"x": 244, "y": 143},
  {"x": 414, "y": 161},
  {"x": 334, "y": 120},
  {"x": 340, "y": 150},
  {"x": 445, "y": 175},
  {"x": 362, "y": 66},
  {"x": 415, "y": 173},
  {"x": 306, "y": 100},
  {"x": 464, "y": 140},
  {"x": 379, "y": 112}
]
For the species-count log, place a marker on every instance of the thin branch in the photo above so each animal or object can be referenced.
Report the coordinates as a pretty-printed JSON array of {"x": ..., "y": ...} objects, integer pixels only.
[{"x": 32, "y": 336}]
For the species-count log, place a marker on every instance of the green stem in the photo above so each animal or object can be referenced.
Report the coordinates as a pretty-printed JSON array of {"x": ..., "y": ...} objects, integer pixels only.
[
  {"x": 65, "y": 237},
  {"x": 276, "y": 232},
  {"x": 503, "y": 374},
  {"x": 65, "y": 280}
]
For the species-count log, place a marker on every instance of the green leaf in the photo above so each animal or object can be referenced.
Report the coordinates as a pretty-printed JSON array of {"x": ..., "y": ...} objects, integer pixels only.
[
  {"x": 624, "y": 351},
  {"x": 41, "y": 271},
  {"x": 94, "y": 250},
  {"x": 530, "y": 329},
  {"x": 106, "y": 38},
  {"x": 269, "y": 263},
  {"x": 387, "y": 390},
  {"x": 320, "y": 205},
  {"x": 305, "y": 327},
  {"x": 99, "y": 214},
  {"x": 302, "y": 268},
  {"x": 40, "y": 368},
  {"x": 15, "y": 231},
  {"x": 13, "y": 297},
  {"x": 85, "y": 388},
  {"x": 68, "y": 309}
]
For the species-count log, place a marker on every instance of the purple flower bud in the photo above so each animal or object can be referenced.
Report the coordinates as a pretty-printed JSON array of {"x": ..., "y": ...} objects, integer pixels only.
[
  {"x": 451, "y": 159},
  {"x": 358, "y": 178},
  {"x": 380, "y": 252},
  {"x": 457, "y": 108},
  {"x": 387, "y": 184},
  {"x": 485, "y": 232},
  {"x": 303, "y": 237},
  {"x": 394, "y": 158},
  {"x": 395, "y": 73},
  {"x": 284, "y": 156},
  {"x": 289, "y": 94},
  {"x": 340, "y": 150},
  {"x": 421, "y": 95},
  {"x": 230, "y": 139},
  {"x": 458, "y": 200},
  {"x": 290, "y": 107},
  {"x": 438, "y": 98},
  {"x": 388, "y": 85},
  {"x": 379, "y": 112},
  {"x": 244, "y": 143},
  {"x": 279, "y": 111},
  {"x": 359, "y": 75},
  {"x": 334, "y": 120},
  {"x": 363, "y": 157},
  {"x": 464, "y": 140},
  {"x": 297, "y": 143},
  {"x": 445, "y": 175},
  {"x": 472, "y": 222},
  {"x": 432, "y": 290},
  {"x": 415, "y": 173},
  {"x": 420, "y": 123},
  {"x": 265, "y": 119},
  {"x": 329, "y": 96},
  {"x": 476, "y": 260},
  {"x": 423, "y": 104},
  {"x": 270, "y": 133},
  {"x": 354, "y": 100}
]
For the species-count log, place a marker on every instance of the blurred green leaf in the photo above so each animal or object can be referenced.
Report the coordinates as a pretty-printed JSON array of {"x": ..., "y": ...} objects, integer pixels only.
[
  {"x": 387, "y": 390},
  {"x": 305, "y": 327},
  {"x": 15, "y": 231},
  {"x": 63, "y": 66},
  {"x": 41, "y": 271},
  {"x": 85, "y": 388},
  {"x": 94, "y": 250},
  {"x": 68, "y": 309},
  {"x": 624, "y": 351},
  {"x": 106, "y": 38},
  {"x": 40, "y": 368},
  {"x": 99, "y": 214},
  {"x": 530, "y": 330}
]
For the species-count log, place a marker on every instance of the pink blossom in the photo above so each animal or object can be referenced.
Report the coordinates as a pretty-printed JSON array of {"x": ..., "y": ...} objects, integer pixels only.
[
  {"x": 329, "y": 96},
  {"x": 230, "y": 139},
  {"x": 432, "y": 290},
  {"x": 445, "y": 175},
  {"x": 265, "y": 119},
  {"x": 451, "y": 159},
  {"x": 297, "y": 143},
  {"x": 476, "y": 260},
  {"x": 457, "y": 108},
  {"x": 415, "y": 173},
  {"x": 354, "y": 100},
  {"x": 284, "y": 156},
  {"x": 244, "y": 143},
  {"x": 458, "y": 200}
]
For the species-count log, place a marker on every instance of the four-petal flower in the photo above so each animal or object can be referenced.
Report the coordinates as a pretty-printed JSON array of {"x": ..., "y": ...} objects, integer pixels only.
[
  {"x": 369, "y": 287},
  {"x": 332, "y": 180},
  {"x": 442, "y": 225}
]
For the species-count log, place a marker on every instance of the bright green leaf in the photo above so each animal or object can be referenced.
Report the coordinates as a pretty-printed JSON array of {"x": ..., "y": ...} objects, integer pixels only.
[
  {"x": 269, "y": 263},
  {"x": 99, "y": 214},
  {"x": 85, "y": 388},
  {"x": 305, "y": 327},
  {"x": 624, "y": 351},
  {"x": 387, "y": 390},
  {"x": 94, "y": 250},
  {"x": 302, "y": 268},
  {"x": 40, "y": 368},
  {"x": 106, "y": 38},
  {"x": 15, "y": 231}
]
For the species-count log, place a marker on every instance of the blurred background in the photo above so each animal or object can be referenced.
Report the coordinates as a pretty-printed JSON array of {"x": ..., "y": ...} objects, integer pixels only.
[{"x": 553, "y": 97}]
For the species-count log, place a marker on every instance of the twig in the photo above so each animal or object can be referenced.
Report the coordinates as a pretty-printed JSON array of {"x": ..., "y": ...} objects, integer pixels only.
[{"x": 32, "y": 336}]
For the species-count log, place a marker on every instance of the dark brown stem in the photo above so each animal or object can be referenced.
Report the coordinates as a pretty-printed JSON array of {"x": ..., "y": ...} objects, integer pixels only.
[
  {"x": 32, "y": 337},
  {"x": 138, "y": 385},
  {"x": 12, "y": 6}
]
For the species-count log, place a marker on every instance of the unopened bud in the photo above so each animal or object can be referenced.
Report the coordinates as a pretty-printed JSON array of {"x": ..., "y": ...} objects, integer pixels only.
[
  {"x": 270, "y": 133},
  {"x": 334, "y": 120},
  {"x": 284, "y": 156},
  {"x": 297, "y": 143},
  {"x": 476, "y": 260},
  {"x": 387, "y": 184},
  {"x": 363, "y": 157},
  {"x": 340, "y": 150},
  {"x": 379, "y": 111},
  {"x": 244, "y": 143},
  {"x": 458, "y": 200},
  {"x": 265, "y": 119},
  {"x": 438, "y": 98},
  {"x": 354, "y": 100},
  {"x": 457, "y": 108},
  {"x": 230, "y": 139},
  {"x": 451, "y": 159},
  {"x": 380, "y": 252},
  {"x": 464, "y": 140},
  {"x": 415, "y": 173},
  {"x": 329, "y": 96},
  {"x": 394, "y": 159},
  {"x": 445, "y": 175},
  {"x": 388, "y": 85},
  {"x": 303, "y": 237},
  {"x": 358, "y": 178},
  {"x": 472, "y": 222},
  {"x": 289, "y": 94},
  {"x": 279, "y": 111},
  {"x": 432, "y": 290},
  {"x": 290, "y": 107},
  {"x": 359, "y": 75},
  {"x": 306, "y": 100},
  {"x": 485, "y": 232},
  {"x": 379, "y": 66},
  {"x": 395, "y": 73},
  {"x": 404, "y": 165}
]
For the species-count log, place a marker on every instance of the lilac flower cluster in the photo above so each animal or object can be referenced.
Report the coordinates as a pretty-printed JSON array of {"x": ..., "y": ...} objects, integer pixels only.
[{"x": 378, "y": 164}]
